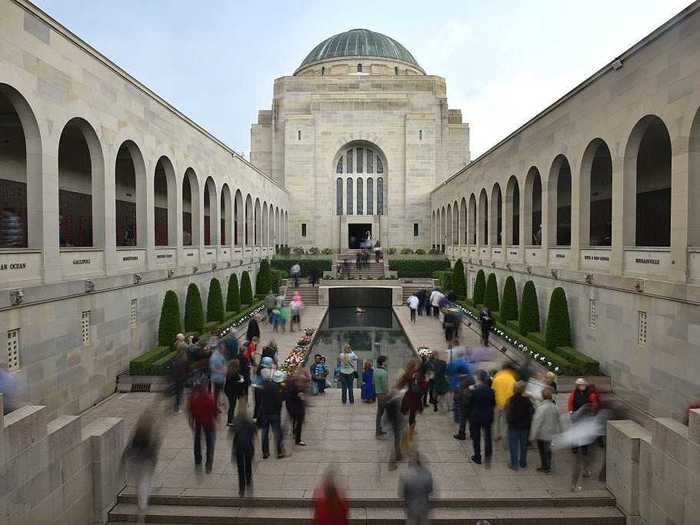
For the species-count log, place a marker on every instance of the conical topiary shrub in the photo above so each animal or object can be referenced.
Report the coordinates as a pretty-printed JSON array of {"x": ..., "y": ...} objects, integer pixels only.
[
  {"x": 170, "y": 324},
  {"x": 194, "y": 312},
  {"x": 246, "y": 289},
  {"x": 233, "y": 297},
  {"x": 479, "y": 288},
  {"x": 459, "y": 282},
  {"x": 215, "y": 302},
  {"x": 558, "y": 330},
  {"x": 509, "y": 304},
  {"x": 529, "y": 320},
  {"x": 491, "y": 294},
  {"x": 263, "y": 281}
]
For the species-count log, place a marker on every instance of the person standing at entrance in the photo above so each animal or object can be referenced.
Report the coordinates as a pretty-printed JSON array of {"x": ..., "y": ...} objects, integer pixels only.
[
  {"x": 481, "y": 417},
  {"x": 347, "y": 366},
  {"x": 413, "y": 303}
]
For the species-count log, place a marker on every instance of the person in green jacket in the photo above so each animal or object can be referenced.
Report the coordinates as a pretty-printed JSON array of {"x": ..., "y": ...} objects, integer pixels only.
[{"x": 381, "y": 388}]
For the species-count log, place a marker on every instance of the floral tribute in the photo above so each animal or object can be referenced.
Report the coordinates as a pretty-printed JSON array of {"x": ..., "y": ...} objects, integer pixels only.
[{"x": 298, "y": 354}]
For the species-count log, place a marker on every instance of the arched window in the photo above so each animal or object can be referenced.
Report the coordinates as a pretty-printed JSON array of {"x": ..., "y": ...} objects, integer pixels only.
[
  {"x": 483, "y": 218},
  {"x": 339, "y": 196},
  {"x": 463, "y": 221},
  {"x": 298, "y": 134},
  {"x": 496, "y": 217},
  {"x": 513, "y": 212},
  {"x": 420, "y": 134},
  {"x": 210, "y": 212},
  {"x": 360, "y": 197},
  {"x": 597, "y": 183},
  {"x": 380, "y": 191},
  {"x": 323, "y": 70},
  {"x": 349, "y": 192},
  {"x": 348, "y": 163},
  {"x": 190, "y": 209},
  {"x": 359, "y": 158},
  {"x": 238, "y": 220},
  {"x": 472, "y": 219},
  {"x": 164, "y": 203},
  {"x": 380, "y": 166},
  {"x": 370, "y": 161},
  {"x": 339, "y": 166},
  {"x": 396, "y": 70},
  {"x": 359, "y": 68},
  {"x": 129, "y": 177},
  {"x": 370, "y": 196},
  {"x": 225, "y": 216},
  {"x": 533, "y": 207},
  {"x": 559, "y": 220}
]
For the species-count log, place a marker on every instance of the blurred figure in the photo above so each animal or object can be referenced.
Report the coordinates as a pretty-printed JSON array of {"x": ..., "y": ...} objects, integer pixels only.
[
  {"x": 503, "y": 386},
  {"x": 545, "y": 425},
  {"x": 234, "y": 388},
  {"x": 266, "y": 363},
  {"x": 415, "y": 488},
  {"x": 202, "y": 419},
  {"x": 141, "y": 456},
  {"x": 330, "y": 507},
  {"x": 381, "y": 389},
  {"x": 270, "y": 414},
  {"x": 368, "y": 394},
  {"x": 462, "y": 406},
  {"x": 482, "y": 404},
  {"x": 438, "y": 385},
  {"x": 9, "y": 389},
  {"x": 295, "y": 272},
  {"x": 180, "y": 370},
  {"x": 347, "y": 366},
  {"x": 416, "y": 386},
  {"x": 217, "y": 372},
  {"x": 550, "y": 380},
  {"x": 269, "y": 305},
  {"x": 253, "y": 330},
  {"x": 243, "y": 449},
  {"x": 297, "y": 385},
  {"x": 413, "y": 303},
  {"x": 296, "y": 306},
  {"x": 519, "y": 412},
  {"x": 395, "y": 420},
  {"x": 435, "y": 297},
  {"x": 486, "y": 323},
  {"x": 230, "y": 342},
  {"x": 582, "y": 401}
]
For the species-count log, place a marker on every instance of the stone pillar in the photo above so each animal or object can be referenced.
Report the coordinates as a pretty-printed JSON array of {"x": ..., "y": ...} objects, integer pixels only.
[
  {"x": 622, "y": 462},
  {"x": 576, "y": 216},
  {"x": 680, "y": 201},
  {"x": 47, "y": 198}
]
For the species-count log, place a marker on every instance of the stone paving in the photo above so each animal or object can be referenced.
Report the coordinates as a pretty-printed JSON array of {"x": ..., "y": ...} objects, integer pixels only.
[{"x": 343, "y": 436}]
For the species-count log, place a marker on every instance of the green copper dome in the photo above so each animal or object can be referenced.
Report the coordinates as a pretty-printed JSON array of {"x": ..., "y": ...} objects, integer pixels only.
[{"x": 359, "y": 43}]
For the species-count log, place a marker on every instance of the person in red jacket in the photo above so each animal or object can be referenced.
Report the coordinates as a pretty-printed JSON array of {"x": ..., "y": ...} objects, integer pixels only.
[
  {"x": 330, "y": 507},
  {"x": 583, "y": 394},
  {"x": 202, "y": 418}
]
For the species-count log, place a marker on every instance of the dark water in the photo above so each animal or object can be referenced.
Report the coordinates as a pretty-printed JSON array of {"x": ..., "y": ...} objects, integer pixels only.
[{"x": 371, "y": 333}]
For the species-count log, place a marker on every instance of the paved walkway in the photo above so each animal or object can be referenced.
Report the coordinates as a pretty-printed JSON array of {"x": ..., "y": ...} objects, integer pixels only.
[{"x": 344, "y": 436}]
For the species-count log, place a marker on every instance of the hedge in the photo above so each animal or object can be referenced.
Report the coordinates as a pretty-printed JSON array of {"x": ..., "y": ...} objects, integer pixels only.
[
  {"x": 140, "y": 366},
  {"x": 418, "y": 267},
  {"x": 491, "y": 294},
  {"x": 233, "y": 318},
  {"x": 558, "y": 327},
  {"x": 246, "y": 289},
  {"x": 529, "y": 320},
  {"x": 479, "y": 288},
  {"x": 194, "y": 312},
  {"x": 170, "y": 324},
  {"x": 320, "y": 265},
  {"x": 459, "y": 281},
  {"x": 215, "y": 301},
  {"x": 263, "y": 281},
  {"x": 444, "y": 278},
  {"x": 233, "y": 297},
  {"x": 509, "y": 304}
]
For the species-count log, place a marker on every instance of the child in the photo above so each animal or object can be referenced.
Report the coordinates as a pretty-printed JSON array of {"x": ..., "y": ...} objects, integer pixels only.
[
  {"x": 319, "y": 373},
  {"x": 368, "y": 394}
]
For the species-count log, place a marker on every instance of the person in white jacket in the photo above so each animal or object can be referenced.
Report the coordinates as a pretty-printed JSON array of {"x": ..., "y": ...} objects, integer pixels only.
[{"x": 545, "y": 425}]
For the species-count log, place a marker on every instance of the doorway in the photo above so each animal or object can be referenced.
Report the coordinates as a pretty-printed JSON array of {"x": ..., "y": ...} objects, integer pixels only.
[{"x": 358, "y": 234}]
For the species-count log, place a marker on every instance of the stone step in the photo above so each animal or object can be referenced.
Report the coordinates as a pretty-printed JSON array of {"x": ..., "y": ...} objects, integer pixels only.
[{"x": 213, "y": 515}]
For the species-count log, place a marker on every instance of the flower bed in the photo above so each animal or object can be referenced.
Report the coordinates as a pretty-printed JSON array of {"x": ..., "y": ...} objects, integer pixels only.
[{"x": 299, "y": 353}]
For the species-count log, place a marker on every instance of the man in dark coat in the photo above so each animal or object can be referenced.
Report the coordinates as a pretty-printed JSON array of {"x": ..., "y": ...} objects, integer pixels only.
[
  {"x": 243, "y": 449},
  {"x": 482, "y": 404}
]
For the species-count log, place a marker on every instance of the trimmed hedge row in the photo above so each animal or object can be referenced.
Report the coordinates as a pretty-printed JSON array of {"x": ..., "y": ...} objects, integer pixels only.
[
  {"x": 459, "y": 280},
  {"x": 246, "y": 289},
  {"x": 479, "y": 288},
  {"x": 444, "y": 279},
  {"x": 140, "y": 366},
  {"x": 320, "y": 265},
  {"x": 418, "y": 267}
]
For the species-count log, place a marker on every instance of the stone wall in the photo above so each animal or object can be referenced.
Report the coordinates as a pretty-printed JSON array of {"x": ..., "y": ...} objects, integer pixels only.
[
  {"x": 654, "y": 472},
  {"x": 58, "y": 471}
]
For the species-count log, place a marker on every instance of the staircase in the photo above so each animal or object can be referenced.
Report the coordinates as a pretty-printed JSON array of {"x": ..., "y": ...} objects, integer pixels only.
[
  {"x": 176, "y": 508},
  {"x": 309, "y": 294},
  {"x": 373, "y": 269},
  {"x": 414, "y": 285}
]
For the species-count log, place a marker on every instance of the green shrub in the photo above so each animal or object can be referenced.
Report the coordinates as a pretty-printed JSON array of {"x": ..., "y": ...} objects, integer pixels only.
[
  {"x": 140, "y": 366},
  {"x": 320, "y": 265},
  {"x": 233, "y": 318},
  {"x": 444, "y": 278},
  {"x": 418, "y": 267},
  {"x": 170, "y": 324},
  {"x": 391, "y": 251},
  {"x": 246, "y": 289},
  {"x": 406, "y": 251},
  {"x": 558, "y": 326},
  {"x": 194, "y": 312},
  {"x": 298, "y": 251},
  {"x": 162, "y": 366},
  {"x": 529, "y": 320},
  {"x": 459, "y": 281},
  {"x": 479, "y": 288},
  {"x": 276, "y": 276},
  {"x": 586, "y": 365},
  {"x": 509, "y": 304},
  {"x": 215, "y": 301},
  {"x": 434, "y": 251},
  {"x": 491, "y": 293},
  {"x": 420, "y": 251},
  {"x": 313, "y": 251},
  {"x": 263, "y": 281},
  {"x": 327, "y": 251},
  {"x": 233, "y": 297},
  {"x": 283, "y": 250}
]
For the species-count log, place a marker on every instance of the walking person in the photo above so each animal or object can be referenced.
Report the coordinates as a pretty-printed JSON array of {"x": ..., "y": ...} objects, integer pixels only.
[
  {"x": 330, "y": 507},
  {"x": 243, "y": 449},
  {"x": 141, "y": 456},
  {"x": 253, "y": 330},
  {"x": 295, "y": 272},
  {"x": 234, "y": 388},
  {"x": 519, "y": 412},
  {"x": 504, "y": 386},
  {"x": 435, "y": 298},
  {"x": 462, "y": 406},
  {"x": 180, "y": 371},
  {"x": 415, "y": 488},
  {"x": 396, "y": 421},
  {"x": 486, "y": 323},
  {"x": 203, "y": 411},
  {"x": 545, "y": 425},
  {"x": 270, "y": 302},
  {"x": 381, "y": 389},
  {"x": 296, "y": 306},
  {"x": 582, "y": 403},
  {"x": 217, "y": 372},
  {"x": 413, "y": 303},
  {"x": 439, "y": 386},
  {"x": 297, "y": 386},
  {"x": 347, "y": 366},
  {"x": 271, "y": 411},
  {"x": 416, "y": 386},
  {"x": 367, "y": 393},
  {"x": 482, "y": 405}
]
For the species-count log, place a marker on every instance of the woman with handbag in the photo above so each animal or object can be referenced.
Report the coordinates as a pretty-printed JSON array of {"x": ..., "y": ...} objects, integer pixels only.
[
  {"x": 414, "y": 380},
  {"x": 347, "y": 366}
]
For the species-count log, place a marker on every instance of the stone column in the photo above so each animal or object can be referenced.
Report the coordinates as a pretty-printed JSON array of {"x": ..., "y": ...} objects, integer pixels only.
[
  {"x": 619, "y": 212},
  {"x": 576, "y": 216},
  {"x": 45, "y": 184}
]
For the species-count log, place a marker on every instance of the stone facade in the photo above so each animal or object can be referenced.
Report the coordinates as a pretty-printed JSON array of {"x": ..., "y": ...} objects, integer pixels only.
[{"x": 632, "y": 284}]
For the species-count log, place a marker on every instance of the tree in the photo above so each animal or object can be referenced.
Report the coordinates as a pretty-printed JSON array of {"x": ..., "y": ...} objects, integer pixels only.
[
  {"x": 233, "y": 297},
  {"x": 194, "y": 312},
  {"x": 170, "y": 324},
  {"x": 246, "y": 289},
  {"x": 215, "y": 301},
  {"x": 509, "y": 304},
  {"x": 558, "y": 329},
  {"x": 263, "y": 281},
  {"x": 479, "y": 288},
  {"x": 491, "y": 294},
  {"x": 529, "y": 320},
  {"x": 459, "y": 282}
]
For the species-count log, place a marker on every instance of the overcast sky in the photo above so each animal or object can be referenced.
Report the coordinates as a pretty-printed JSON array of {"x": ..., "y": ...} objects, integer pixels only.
[{"x": 504, "y": 60}]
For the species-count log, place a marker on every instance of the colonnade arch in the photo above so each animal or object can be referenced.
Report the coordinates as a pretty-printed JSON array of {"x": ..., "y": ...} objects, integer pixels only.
[
  {"x": 164, "y": 203},
  {"x": 483, "y": 235},
  {"x": 129, "y": 195},
  {"x": 596, "y": 195},
  {"x": 496, "y": 221},
  {"x": 226, "y": 219}
]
